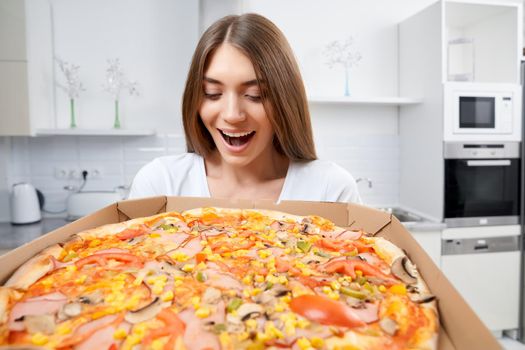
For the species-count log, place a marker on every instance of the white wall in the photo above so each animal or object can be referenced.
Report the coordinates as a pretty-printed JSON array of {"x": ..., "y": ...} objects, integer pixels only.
[{"x": 153, "y": 39}]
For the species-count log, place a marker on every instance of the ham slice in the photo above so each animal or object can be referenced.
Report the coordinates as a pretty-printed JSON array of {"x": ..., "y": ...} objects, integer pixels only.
[
  {"x": 368, "y": 314},
  {"x": 103, "y": 338},
  {"x": 191, "y": 248},
  {"x": 342, "y": 234},
  {"x": 111, "y": 250},
  {"x": 195, "y": 336},
  {"x": 222, "y": 280},
  {"x": 42, "y": 305}
]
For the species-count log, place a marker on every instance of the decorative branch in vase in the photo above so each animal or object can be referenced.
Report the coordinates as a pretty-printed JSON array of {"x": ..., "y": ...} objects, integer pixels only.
[
  {"x": 73, "y": 86},
  {"x": 340, "y": 53},
  {"x": 116, "y": 82}
]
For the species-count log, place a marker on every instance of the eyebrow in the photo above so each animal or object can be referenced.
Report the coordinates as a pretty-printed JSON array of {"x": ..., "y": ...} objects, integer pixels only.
[{"x": 253, "y": 82}]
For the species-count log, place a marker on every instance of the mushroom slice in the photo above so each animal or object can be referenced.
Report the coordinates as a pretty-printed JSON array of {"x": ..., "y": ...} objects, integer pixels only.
[
  {"x": 92, "y": 298},
  {"x": 69, "y": 310},
  {"x": 388, "y": 325},
  {"x": 211, "y": 295},
  {"x": 145, "y": 313},
  {"x": 422, "y": 299},
  {"x": 249, "y": 310},
  {"x": 40, "y": 324},
  {"x": 403, "y": 269}
]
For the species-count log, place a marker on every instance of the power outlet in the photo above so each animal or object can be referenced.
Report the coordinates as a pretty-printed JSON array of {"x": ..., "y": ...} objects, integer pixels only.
[{"x": 75, "y": 173}]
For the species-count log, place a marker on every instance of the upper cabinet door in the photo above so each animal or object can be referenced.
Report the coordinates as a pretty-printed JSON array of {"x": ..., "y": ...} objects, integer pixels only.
[{"x": 12, "y": 30}]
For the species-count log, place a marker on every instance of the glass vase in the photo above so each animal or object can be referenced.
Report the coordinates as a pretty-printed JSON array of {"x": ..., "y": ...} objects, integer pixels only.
[
  {"x": 347, "y": 90},
  {"x": 72, "y": 122},
  {"x": 116, "y": 124}
]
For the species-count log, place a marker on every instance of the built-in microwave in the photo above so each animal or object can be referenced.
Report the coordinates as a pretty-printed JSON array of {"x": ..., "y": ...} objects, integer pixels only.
[{"x": 478, "y": 112}]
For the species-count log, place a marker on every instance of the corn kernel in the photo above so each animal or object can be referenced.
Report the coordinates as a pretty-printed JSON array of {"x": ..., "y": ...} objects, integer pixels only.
[
  {"x": 246, "y": 293},
  {"x": 317, "y": 342},
  {"x": 188, "y": 267},
  {"x": 398, "y": 289},
  {"x": 64, "y": 328},
  {"x": 179, "y": 256},
  {"x": 94, "y": 243},
  {"x": 178, "y": 283},
  {"x": 382, "y": 288},
  {"x": 203, "y": 243},
  {"x": 71, "y": 268},
  {"x": 155, "y": 235},
  {"x": 251, "y": 324},
  {"x": 286, "y": 299},
  {"x": 243, "y": 336},
  {"x": 196, "y": 302},
  {"x": 255, "y": 291},
  {"x": 225, "y": 340},
  {"x": 157, "y": 344},
  {"x": 120, "y": 334},
  {"x": 302, "y": 323},
  {"x": 326, "y": 290},
  {"x": 282, "y": 279},
  {"x": 259, "y": 279},
  {"x": 287, "y": 251},
  {"x": 264, "y": 254},
  {"x": 335, "y": 285},
  {"x": 201, "y": 266},
  {"x": 81, "y": 279},
  {"x": 304, "y": 344},
  {"x": 39, "y": 339},
  {"x": 167, "y": 296},
  {"x": 203, "y": 312},
  {"x": 157, "y": 289},
  {"x": 247, "y": 280},
  {"x": 333, "y": 295},
  {"x": 359, "y": 273}
]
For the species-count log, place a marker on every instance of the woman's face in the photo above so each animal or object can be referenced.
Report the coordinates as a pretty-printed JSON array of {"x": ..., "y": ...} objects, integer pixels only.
[{"x": 232, "y": 109}]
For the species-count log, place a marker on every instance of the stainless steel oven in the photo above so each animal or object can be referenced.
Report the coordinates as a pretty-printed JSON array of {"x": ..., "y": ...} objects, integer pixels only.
[{"x": 482, "y": 183}]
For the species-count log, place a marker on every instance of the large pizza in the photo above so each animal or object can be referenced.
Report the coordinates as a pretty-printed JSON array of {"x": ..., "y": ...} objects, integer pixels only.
[{"x": 213, "y": 278}]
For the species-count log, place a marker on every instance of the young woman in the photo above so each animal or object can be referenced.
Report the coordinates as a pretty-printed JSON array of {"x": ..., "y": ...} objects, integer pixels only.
[{"x": 247, "y": 124}]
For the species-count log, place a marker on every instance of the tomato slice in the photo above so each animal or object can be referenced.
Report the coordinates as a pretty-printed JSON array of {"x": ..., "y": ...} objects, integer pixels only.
[
  {"x": 325, "y": 311},
  {"x": 348, "y": 267},
  {"x": 130, "y": 233}
]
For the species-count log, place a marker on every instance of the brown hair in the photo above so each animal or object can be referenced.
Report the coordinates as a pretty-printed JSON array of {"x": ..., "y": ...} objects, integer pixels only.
[{"x": 282, "y": 90}]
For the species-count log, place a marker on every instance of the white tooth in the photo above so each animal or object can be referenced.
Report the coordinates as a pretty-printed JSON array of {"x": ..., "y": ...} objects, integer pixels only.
[{"x": 236, "y": 134}]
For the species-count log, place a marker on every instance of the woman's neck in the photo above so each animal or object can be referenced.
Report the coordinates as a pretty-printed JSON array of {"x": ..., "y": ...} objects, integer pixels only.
[
  {"x": 270, "y": 166},
  {"x": 260, "y": 179}
]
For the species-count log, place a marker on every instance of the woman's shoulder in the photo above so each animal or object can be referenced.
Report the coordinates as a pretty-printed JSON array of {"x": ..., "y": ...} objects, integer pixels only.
[
  {"x": 322, "y": 166},
  {"x": 338, "y": 184},
  {"x": 178, "y": 161}
]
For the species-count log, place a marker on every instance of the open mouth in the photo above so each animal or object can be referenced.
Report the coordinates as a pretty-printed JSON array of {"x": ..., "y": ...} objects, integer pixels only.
[{"x": 237, "y": 139}]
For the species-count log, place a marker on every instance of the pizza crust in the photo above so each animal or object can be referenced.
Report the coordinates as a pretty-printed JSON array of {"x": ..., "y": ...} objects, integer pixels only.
[{"x": 34, "y": 269}]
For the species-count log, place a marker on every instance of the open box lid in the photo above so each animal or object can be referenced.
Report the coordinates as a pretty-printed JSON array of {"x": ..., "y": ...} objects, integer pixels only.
[{"x": 460, "y": 327}]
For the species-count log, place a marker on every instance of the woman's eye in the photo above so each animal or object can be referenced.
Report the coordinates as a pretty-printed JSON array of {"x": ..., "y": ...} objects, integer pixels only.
[
  {"x": 254, "y": 98},
  {"x": 212, "y": 96}
]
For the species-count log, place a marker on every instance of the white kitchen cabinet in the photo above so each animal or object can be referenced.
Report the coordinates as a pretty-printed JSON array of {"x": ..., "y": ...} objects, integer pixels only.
[
  {"x": 12, "y": 30},
  {"x": 26, "y": 84},
  {"x": 430, "y": 241}
]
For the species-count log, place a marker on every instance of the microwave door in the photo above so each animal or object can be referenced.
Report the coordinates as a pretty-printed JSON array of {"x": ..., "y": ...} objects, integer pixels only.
[{"x": 476, "y": 112}]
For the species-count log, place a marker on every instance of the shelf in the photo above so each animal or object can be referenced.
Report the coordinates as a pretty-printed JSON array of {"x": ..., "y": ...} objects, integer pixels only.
[
  {"x": 378, "y": 101},
  {"x": 94, "y": 132}
]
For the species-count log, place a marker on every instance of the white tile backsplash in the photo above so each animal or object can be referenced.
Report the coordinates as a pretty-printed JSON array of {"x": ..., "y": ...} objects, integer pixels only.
[{"x": 118, "y": 158}]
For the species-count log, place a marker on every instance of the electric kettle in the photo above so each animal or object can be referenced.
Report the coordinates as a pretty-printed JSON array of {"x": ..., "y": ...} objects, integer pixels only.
[{"x": 25, "y": 204}]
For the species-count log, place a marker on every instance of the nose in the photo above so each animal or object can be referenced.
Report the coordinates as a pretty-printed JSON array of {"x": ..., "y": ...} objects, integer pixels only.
[{"x": 233, "y": 110}]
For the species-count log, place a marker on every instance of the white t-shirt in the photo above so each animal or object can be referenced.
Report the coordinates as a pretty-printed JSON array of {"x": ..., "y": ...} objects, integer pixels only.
[{"x": 185, "y": 175}]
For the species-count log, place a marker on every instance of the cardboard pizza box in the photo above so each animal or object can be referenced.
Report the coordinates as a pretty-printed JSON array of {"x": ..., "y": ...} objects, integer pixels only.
[{"x": 460, "y": 326}]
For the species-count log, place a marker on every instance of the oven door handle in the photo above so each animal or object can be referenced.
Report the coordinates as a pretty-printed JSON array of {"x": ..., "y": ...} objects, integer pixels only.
[{"x": 499, "y": 162}]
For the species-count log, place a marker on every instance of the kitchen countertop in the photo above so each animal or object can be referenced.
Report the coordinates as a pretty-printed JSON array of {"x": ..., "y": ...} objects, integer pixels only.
[{"x": 13, "y": 236}]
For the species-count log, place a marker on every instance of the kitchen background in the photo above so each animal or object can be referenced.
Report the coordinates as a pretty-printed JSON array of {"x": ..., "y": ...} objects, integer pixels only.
[
  {"x": 154, "y": 41},
  {"x": 371, "y": 134}
]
